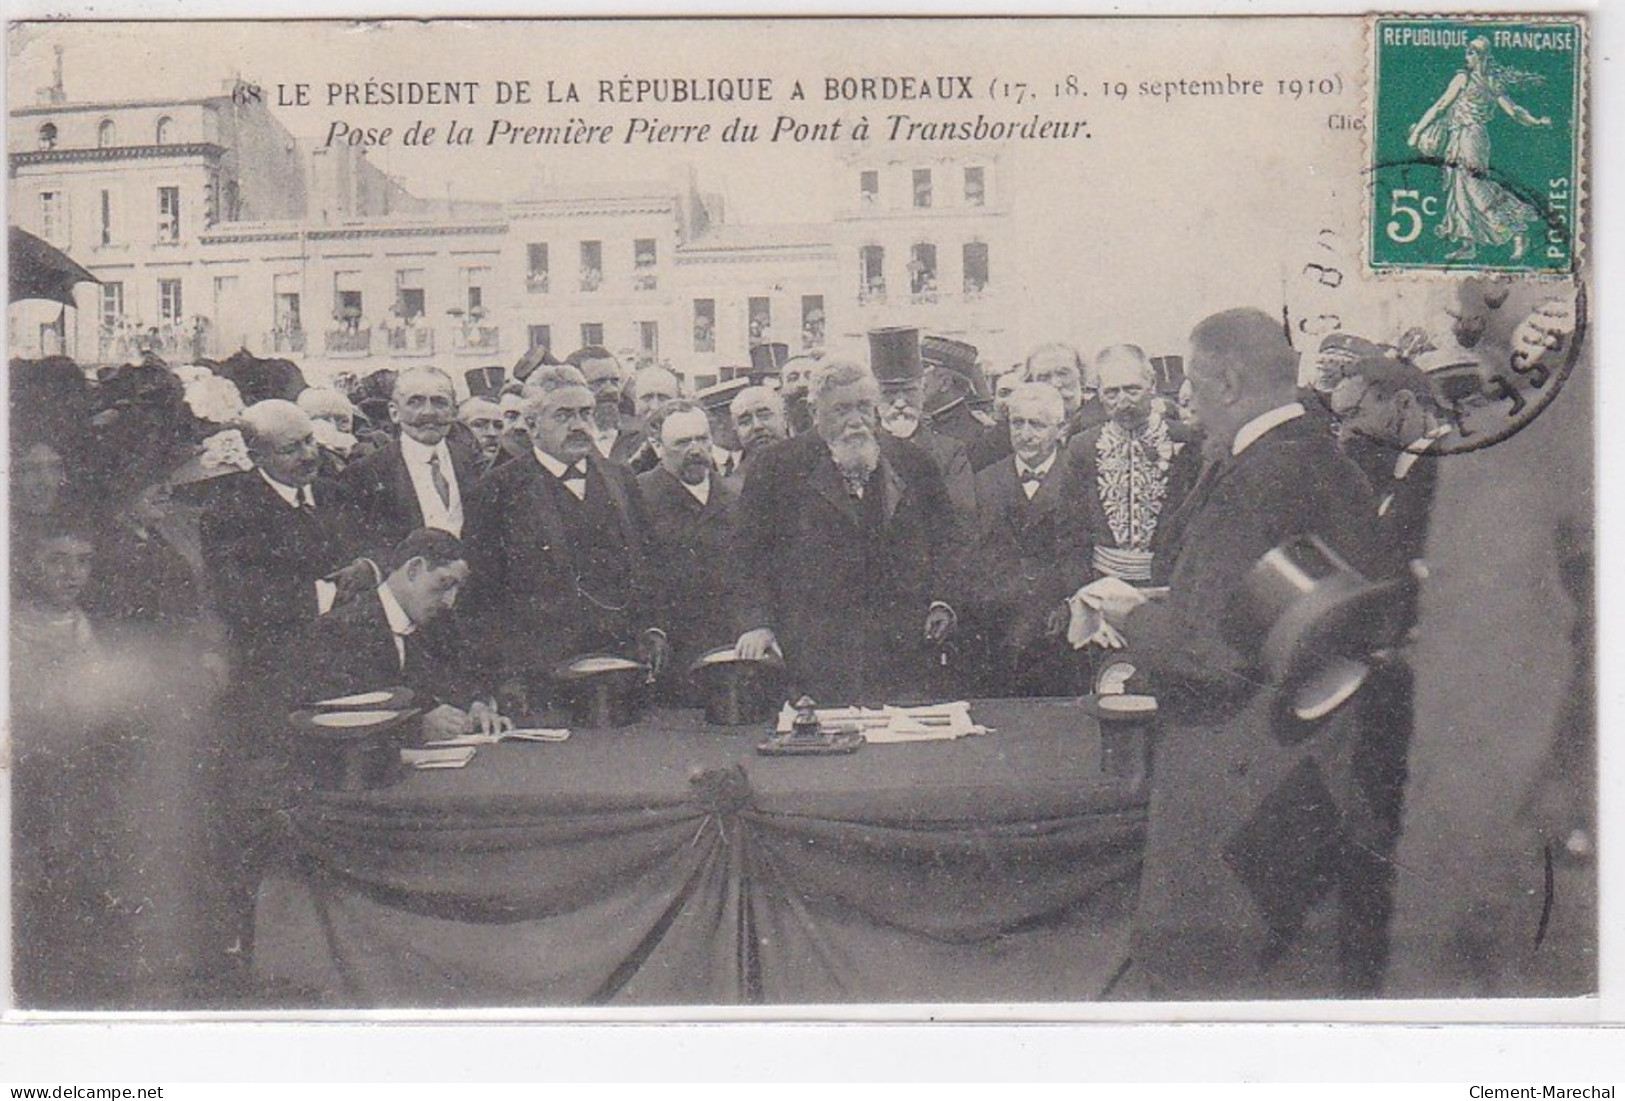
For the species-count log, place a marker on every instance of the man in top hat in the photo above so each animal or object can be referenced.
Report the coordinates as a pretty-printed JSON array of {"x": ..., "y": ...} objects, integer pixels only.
[
  {"x": 557, "y": 545},
  {"x": 796, "y": 381},
  {"x": 614, "y": 440},
  {"x": 387, "y": 637},
  {"x": 1132, "y": 471},
  {"x": 895, "y": 356},
  {"x": 1250, "y": 821},
  {"x": 1031, "y": 551},
  {"x": 691, "y": 523},
  {"x": 420, "y": 479},
  {"x": 843, "y": 552},
  {"x": 727, "y": 453},
  {"x": 758, "y": 419}
]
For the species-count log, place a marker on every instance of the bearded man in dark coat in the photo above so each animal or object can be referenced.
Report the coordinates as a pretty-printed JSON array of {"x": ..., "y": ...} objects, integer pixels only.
[{"x": 843, "y": 552}]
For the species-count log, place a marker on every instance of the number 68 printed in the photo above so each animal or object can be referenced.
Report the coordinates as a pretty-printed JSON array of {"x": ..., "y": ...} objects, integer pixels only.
[{"x": 1403, "y": 232}]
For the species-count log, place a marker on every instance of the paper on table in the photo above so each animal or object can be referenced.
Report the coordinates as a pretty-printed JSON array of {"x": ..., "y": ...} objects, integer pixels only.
[
  {"x": 450, "y": 757},
  {"x": 937, "y": 722},
  {"x": 527, "y": 734}
]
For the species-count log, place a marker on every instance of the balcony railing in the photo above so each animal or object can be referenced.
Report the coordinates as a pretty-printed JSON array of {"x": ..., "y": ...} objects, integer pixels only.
[
  {"x": 536, "y": 282},
  {"x": 872, "y": 294},
  {"x": 645, "y": 281},
  {"x": 348, "y": 342},
  {"x": 411, "y": 340},
  {"x": 476, "y": 338},
  {"x": 591, "y": 279},
  {"x": 286, "y": 341}
]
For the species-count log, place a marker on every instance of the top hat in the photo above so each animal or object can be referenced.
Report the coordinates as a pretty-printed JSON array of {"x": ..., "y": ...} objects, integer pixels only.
[
  {"x": 768, "y": 359},
  {"x": 539, "y": 356},
  {"x": 1170, "y": 372},
  {"x": 603, "y": 690},
  {"x": 484, "y": 382},
  {"x": 894, "y": 355},
  {"x": 737, "y": 691},
  {"x": 1321, "y": 621}
]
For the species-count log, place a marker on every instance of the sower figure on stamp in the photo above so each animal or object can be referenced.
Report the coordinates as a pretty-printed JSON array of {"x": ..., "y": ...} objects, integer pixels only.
[
  {"x": 1247, "y": 834},
  {"x": 842, "y": 552}
]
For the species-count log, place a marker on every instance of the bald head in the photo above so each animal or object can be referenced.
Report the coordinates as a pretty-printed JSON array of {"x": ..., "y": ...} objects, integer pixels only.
[
  {"x": 1240, "y": 365},
  {"x": 281, "y": 440}
]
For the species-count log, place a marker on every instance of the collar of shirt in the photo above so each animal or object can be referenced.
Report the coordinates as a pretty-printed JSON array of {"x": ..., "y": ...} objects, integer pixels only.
[
  {"x": 1249, "y": 433},
  {"x": 399, "y": 621},
  {"x": 1407, "y": 458},
  {"x": 294, "y": 495},
  {"x": 1023, "y": 471},
  {"x": 417, "y": 454},
  {"x": 605, "y": 441},
  {"x": 701, "y": 492},
  {"x": 721, "y": 455},
  {"x": 553, "y": 465}
]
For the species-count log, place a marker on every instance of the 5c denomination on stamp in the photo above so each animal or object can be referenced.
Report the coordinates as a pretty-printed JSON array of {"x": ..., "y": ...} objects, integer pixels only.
[{"x": 1476, "y": 144}]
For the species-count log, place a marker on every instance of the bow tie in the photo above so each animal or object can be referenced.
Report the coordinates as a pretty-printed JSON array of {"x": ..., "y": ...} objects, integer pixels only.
[
  {"x": 1031, "y": 478},
  {"x": 576, "y": 472}
]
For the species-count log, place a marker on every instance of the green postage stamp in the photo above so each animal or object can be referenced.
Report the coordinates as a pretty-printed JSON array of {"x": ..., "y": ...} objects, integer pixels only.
[{"x": 1476, "y": 143}]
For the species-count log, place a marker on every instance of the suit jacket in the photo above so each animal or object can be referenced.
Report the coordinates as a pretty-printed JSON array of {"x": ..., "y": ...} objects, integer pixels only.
[
  {"x": 352, "y": 649},
  {"x": 1246, "y": 833},
  {"x": 691, "y": 543},
  {"x": 379, "y": 504},
  {"x": 845, "y": 584},
  {"x": 953, "y": 461},
  {"x": 263, "y": 559},
  {"x": 1404, "y": 502},
  {"x": 526, "y": 562},
  {"x": 1027, "y": 557}
]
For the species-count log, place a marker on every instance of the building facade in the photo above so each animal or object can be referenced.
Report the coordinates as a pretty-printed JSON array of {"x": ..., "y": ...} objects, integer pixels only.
[{"x": 212, "y": 229}]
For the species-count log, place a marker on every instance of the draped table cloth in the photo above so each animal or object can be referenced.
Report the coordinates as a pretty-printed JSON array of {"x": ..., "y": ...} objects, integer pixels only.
[{"x": 668, "y": 863}]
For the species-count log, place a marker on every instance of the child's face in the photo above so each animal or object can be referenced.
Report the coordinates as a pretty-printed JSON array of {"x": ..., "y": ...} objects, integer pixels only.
[{"x": 62, "y": 569}]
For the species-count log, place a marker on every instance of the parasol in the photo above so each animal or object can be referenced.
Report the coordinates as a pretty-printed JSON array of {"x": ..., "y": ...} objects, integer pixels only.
[{"x": 41, "y": 270}]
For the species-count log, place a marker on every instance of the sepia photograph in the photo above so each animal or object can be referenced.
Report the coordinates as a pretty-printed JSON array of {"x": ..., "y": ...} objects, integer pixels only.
[{"x": 765, "y": 513}]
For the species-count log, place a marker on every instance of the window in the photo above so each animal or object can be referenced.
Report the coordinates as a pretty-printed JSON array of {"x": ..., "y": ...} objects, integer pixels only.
[
  {"x": 536, "y": 269},
  {"x": 592, "y": 334},
  {"x": 761, "y": 319},
  {"x": 922, "y": 188},
  {"x": 649, "y": 337},
  {"x": 474, "y": 280},
  {"x": 285, "y": 290},
  {"x": 705, "y": 324},
  {"x": 112, "y": 305},
  {"x": 869, "y": 187},
  {"x": 169, "y": 300},
  {"x": 976, "y": 272},
  {"x": 165, "y": 132},
  {"x": 106, "y": 134},
  {"x": 541, "y": 336},
  {"x": 169, "y": 214},
  {"x": 107, "y": 217},
  {"x": 872, "y": 273},
  {"x": 592, "y": 265},
  {"x": 409, "y": 297},
  {"x": 644, "y": 259},
  {"x": 347, "y": 300},
  {"x": 47, "y": 136},
  {"x": 53, "y": 225},
  {"x": 975, "y": 187},
  {"x": 922, "y": 270},
  {"x": 812, "y": 320}
]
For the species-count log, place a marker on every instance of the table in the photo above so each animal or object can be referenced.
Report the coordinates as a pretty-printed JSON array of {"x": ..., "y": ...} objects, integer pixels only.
[{"x": 667, "y": 863}]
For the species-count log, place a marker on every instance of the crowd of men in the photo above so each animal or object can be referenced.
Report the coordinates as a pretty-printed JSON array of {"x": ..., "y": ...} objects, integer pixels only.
[{"x": 888, "y": 544}]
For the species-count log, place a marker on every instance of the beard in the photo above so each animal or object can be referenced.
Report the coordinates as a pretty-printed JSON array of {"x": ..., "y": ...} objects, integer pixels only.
[{"x": 856, "y": 453}]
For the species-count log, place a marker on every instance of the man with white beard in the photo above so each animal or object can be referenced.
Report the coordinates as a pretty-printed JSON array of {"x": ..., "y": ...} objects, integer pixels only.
[{"x": 843, "y": 553}]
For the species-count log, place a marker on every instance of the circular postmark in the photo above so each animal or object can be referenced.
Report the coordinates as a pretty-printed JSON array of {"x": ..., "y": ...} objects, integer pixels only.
[{"x": 1510, "y": 347}]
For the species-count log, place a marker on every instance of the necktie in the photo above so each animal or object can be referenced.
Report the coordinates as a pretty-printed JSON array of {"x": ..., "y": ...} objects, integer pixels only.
[
  {"x": 438, "y": 477},
  {"x": 728, "y": 466},
  {"x": 574, "y": 479}
]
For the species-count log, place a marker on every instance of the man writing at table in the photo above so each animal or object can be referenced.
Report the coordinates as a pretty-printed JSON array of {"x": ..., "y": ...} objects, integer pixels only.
[
  {"x": 1248, "y": 833},
  {"x": 843, "y": 550},
  {"x": 387, "y": 637}
]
